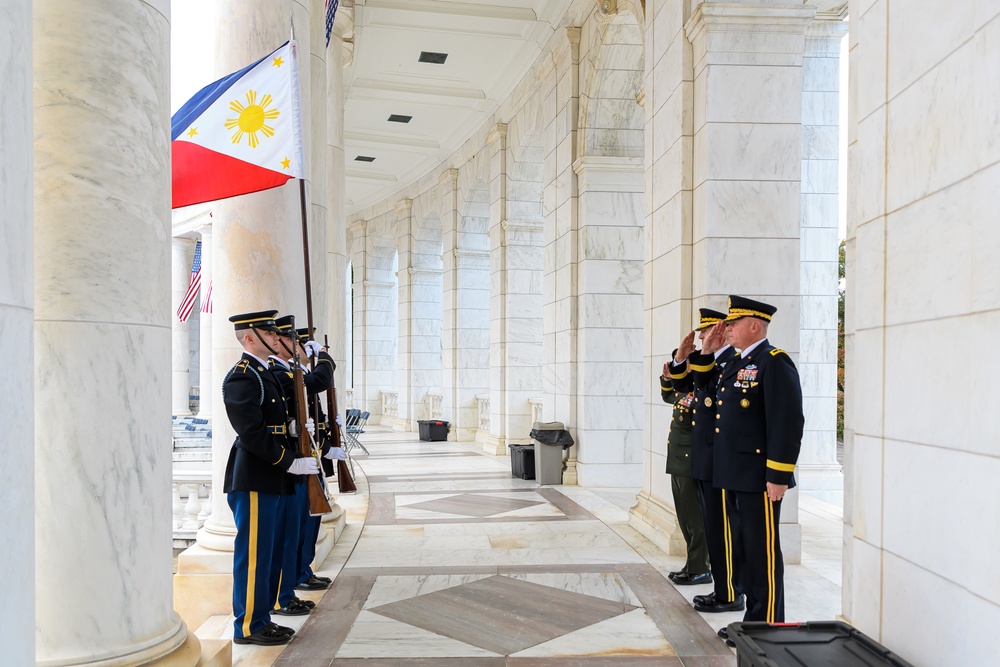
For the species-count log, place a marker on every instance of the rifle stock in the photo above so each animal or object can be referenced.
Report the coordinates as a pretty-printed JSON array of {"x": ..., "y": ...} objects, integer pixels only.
[
  {"x": 345, "y": 483},
  {"x": 318, "y": 504}
]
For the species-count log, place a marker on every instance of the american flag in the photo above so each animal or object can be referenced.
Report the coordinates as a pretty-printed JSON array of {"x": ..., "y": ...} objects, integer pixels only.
[
  {"x": 187, "y": 303},
  {"x": 331, "y": 12},
  {"x": 206, "y": 303}
]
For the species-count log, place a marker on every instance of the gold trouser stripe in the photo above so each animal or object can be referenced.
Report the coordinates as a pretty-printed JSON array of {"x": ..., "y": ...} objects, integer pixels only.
[
  {"x": 769, "y": 536},
  {"x": 277, "y": 605},
  {"x": 251, "y": 565},
  {"x": 727, "y": 533}
]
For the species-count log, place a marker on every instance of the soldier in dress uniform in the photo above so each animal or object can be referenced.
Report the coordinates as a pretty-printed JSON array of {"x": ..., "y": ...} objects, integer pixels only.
[
  {"x": 257, "y": 476},
  {"x": 683, "y": 487},
  {"x": 699, "y": 371},
  {"x": 758, "y": 434},
  {"x": 294, "y": 510}
]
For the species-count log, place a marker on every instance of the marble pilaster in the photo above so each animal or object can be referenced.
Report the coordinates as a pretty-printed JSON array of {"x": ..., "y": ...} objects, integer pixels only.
[
  {"x": 17, "y": 486},
  {"x": 205, "y": 373},
  {"x": 819, "y": 472},
  {"x": 465, "y": 297},
  {"x": 182, "y": 252},
  {"x": 102, "y": 307}
]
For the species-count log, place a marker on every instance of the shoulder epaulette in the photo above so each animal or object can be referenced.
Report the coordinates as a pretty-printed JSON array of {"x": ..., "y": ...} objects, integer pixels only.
[
  {"x": 243, "y": 365},
  {"x": 776, "y": 351}
]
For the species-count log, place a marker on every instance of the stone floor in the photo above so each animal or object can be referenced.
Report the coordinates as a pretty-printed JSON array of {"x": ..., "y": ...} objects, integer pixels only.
[{"x": 449, "y": 561}]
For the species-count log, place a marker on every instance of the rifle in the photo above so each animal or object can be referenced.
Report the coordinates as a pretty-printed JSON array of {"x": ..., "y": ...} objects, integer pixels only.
[
  {"x": 318, "y": 504},
  {"x": 345, "y": 483}
]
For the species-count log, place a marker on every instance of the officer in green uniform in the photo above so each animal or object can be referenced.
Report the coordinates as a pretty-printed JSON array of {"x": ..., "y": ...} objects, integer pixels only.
[
  {"x": 684, "y": 487},
  {"x": 759, "y": 423}
]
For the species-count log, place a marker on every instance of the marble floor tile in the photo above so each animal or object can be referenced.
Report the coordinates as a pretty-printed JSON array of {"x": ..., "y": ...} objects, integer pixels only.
[
  {"x": 633, "y": 633},
  {"x": 377, "y": 636}
]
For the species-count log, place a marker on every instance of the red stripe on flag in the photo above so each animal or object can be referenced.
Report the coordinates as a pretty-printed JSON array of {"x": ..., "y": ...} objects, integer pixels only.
[
  {"x": 187, "y": 304},
  {"x": 206, "y": 303},
  {"x": 201, "y": 175}
]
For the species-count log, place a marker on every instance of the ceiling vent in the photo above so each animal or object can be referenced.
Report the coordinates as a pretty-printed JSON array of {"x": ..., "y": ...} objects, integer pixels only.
[
  {"x": 397, "y": 118},
  {"x": 364, "y": 158},
  {"x": 431, "y": 57}
]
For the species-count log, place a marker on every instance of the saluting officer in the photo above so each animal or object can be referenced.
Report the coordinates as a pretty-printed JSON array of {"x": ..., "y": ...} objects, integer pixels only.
[
  {"x": 294, "y": 510},
  {"x": 257, "y": 476},
  {"x": 758, "y": 435},
  {"x": 700, "y": 371}
]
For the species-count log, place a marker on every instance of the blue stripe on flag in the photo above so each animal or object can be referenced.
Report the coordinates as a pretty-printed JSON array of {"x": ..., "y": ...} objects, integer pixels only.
[
  {"x": 205, "y": 97},
  {"x": 331, "y": 12}
]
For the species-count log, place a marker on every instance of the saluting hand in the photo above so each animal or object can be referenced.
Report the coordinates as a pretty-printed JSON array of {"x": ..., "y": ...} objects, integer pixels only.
[
  {"x": 715, "y": 340},
  {"x": 685, "y": 348}
]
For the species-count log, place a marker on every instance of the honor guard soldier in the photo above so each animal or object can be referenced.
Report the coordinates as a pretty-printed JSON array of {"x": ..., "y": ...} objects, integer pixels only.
[
  {"x": 699, "y": 372},
  {"x": 758, "y": 434},
  {"x": 257, "y": 476},
  {"x": 683, "y": 487},
  {"x": 294, "y": 510}
]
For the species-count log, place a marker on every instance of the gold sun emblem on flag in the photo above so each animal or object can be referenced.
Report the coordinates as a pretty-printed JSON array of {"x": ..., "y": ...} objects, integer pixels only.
[{"x": 252, "y": 118}]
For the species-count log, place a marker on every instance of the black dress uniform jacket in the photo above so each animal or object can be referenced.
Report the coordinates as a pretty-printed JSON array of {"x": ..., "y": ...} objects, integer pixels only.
[
  {"x": 758, "y": 430},
  {"x": 701, "y": 375},
  {"x": 261, "y": 454}
]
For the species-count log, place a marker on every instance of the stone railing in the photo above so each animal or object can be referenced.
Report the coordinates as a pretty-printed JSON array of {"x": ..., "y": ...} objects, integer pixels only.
[
  {"x": 536, "y": 409},
  {"x": 484, "y": 411},
  {"x": 192, "y": 491},
  {"x": 390, "y": 404},
  {"x": 434, "y": 401}
]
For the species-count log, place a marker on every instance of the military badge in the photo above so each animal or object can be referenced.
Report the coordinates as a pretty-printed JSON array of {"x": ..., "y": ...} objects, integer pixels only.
[
  {"x": 747, "y": 374},
  {"x": 745, "y": 403},
  {"x": 708, "y": 401}
]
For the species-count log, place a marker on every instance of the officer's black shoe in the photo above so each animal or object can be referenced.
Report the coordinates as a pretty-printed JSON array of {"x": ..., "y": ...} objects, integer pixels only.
[
  {"x": 293, "y": 608},
  {"x": 715, "y": 606},
  {"x": 678, "y": 573},
  {"x": 325, "y": 580},
  {"x": 308, "y": 603},
  {"x": 692, "y": 579},
  {"x": 266, "y": 637},
  {"x": 313, "y": 583},
  {"x": 280, "y": 628},
  {"x": 724, "y": 633},
  {"x": 705, "y": 599}
]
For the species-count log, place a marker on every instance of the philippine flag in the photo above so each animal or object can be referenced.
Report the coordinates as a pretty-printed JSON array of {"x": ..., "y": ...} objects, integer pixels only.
[{"x": 241, "y": 134}]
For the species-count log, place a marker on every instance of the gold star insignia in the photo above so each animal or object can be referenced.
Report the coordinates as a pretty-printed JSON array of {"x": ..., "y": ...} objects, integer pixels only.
[
  {"x": 286, "y": 163},
  {"x": 193, "y": 131},
  {"x": 278, "y": 62}
]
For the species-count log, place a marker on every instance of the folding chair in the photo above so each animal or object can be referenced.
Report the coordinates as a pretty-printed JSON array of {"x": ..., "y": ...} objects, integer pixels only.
[{"x": 354, "y": 428}]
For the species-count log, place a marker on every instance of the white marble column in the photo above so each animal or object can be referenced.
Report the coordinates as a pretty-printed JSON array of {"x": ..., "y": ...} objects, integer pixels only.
[
  {"x": 17, "y": 489},
  {"x": 818, "y": 470},
  {"x": 515, "y": 306},
  {"x": 609, "y": 323},
  {"x": 466, "y": 313},
  {"x": 182, "y": 253},
  {"x": 102, "y": 308},
  {"x": 205, "y": 372}
]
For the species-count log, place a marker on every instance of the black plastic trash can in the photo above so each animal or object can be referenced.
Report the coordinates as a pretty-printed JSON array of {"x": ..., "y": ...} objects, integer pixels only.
[
  {"x": 813, "y": 644},
  {"x": 432, "y": 430},
  {"x": 522, "y": 461}
]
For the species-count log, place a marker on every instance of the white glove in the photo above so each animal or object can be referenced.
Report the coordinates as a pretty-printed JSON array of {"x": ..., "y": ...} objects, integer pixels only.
[
  {"x": 311, "y": 426},
  {"x": 312, "y": 348},
  {"x": 336, "y": 454},
  {"x": 306, "y": 465},
  {"x": 339, "y": 420}
]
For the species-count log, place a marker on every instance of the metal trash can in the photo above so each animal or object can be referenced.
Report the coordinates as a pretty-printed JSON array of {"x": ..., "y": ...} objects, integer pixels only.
[{"x": 550, "y": 439}]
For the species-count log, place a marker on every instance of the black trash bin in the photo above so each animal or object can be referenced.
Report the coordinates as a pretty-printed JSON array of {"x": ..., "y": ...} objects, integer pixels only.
[
  {"x": 522, "y": 461},
  {"x": 432, "y": 430},
  {"x": 813, "y": 644}
]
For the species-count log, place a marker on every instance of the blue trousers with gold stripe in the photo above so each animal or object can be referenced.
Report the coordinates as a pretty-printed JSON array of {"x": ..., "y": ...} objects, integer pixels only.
[
  {"x": 254, "y": 580},
  {"x": 762, "y": 569},
  {"x": 725, "y": 546},
  {"x": 291, "y": 517},
  {"x": 310, "y": 533}
]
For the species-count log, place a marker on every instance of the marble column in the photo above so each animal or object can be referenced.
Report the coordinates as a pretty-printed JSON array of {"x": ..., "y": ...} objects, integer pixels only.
[
  {"x": 818, "y": 471},
  {"x": 17, "y": 489},
  {"x": 102, "y": 308},
  {"x": 608, "y": 430},
  {"x": 466, "y": 313},
  {"x": 515, "y": 307},
  {"x": 180, "y": 275},
  {"x": 205, "y": 372}
]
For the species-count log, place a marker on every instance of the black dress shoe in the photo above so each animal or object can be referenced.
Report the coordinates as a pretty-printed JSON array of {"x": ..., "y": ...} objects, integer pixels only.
[
  {"x": 280, "y": 628},
  {"x": 293, "y": 608},
  {"x": 715, "y": 606},
  {"x": 692, "y": 579},
  {"x": 266, "y": 637},
  {"x": 313, "y": 583},
  {"x": 704, "y": 599},
  {"x": 724, "y": 633},
  {"x": 325, "y": 580},
  {"x": 308, "y": 603}
]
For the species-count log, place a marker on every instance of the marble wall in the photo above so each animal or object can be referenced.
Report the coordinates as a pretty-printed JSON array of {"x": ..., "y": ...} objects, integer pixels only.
[
  {"x": 924, "y": 170},
  {"x": 17, "y": 555},
  {"x": 102, "y": 334}
]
